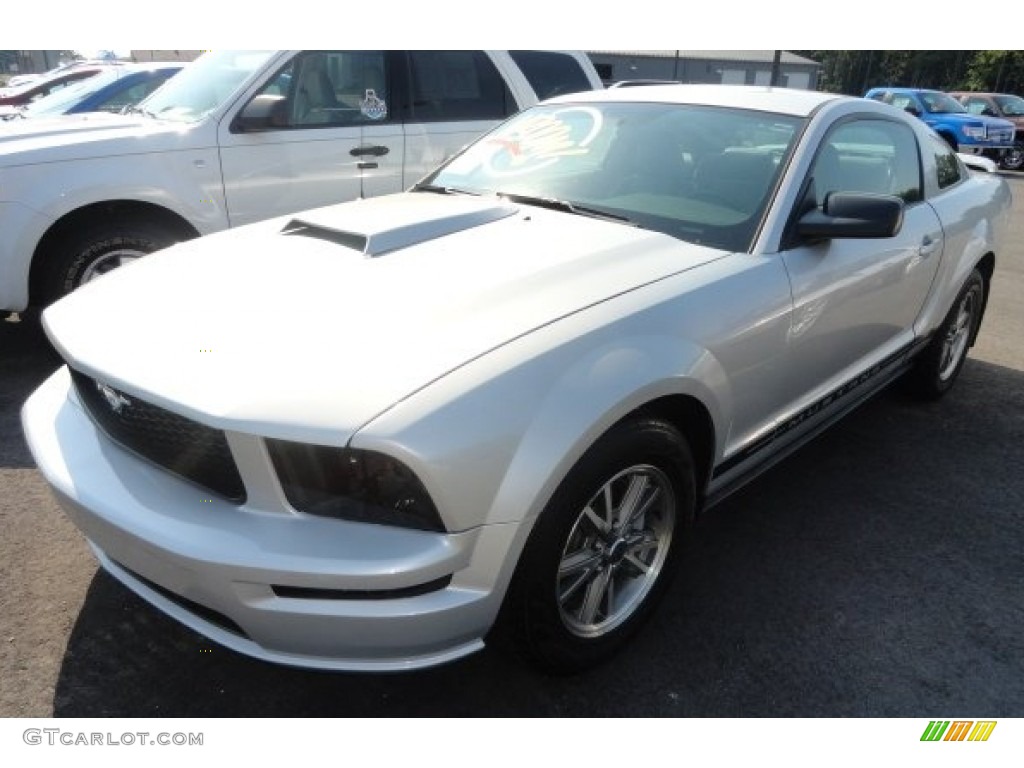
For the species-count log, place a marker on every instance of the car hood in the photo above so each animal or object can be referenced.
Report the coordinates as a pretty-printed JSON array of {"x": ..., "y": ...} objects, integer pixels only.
[
  {"x": 88, "y": 135},
  {"x": 966, "y": 118},
  {"x": 309, "y": 335}
]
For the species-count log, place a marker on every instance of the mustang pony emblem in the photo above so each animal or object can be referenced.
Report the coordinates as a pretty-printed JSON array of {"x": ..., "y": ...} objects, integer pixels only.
[{"x": 115, "y": 399}]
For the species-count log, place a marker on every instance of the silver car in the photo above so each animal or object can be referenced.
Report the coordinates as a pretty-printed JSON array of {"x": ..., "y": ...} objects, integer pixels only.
[{"x": 500, "y": 399}]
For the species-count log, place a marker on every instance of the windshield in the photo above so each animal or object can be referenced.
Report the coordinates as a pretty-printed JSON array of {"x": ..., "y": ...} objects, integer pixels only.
[
  {"x": 941, "y": 103},
  {"x": 700, "y": 174},
  {"x": 59, "y": 102},
  {"x": 1012, "y": 106},
  {"x": 203, "y": 85}
]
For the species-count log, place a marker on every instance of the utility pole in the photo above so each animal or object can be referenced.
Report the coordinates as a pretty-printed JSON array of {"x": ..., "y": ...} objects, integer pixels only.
[{"x": 776, "y": 68}]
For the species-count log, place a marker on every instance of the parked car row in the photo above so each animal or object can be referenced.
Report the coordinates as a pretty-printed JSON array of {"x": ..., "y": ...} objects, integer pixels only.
[
  {"x": 26, "y": 93},
  {"x": 112, "y": 89},
  {"x": 240, "y": 136},
  {"x": 978, "y": 123}
]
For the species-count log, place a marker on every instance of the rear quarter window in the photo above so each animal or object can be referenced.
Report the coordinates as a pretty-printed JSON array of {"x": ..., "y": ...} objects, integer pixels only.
[
  {"x": 550, "y": 73},
  {"x": 947, "y": 165},
  {"x": 457, "y": 85}
]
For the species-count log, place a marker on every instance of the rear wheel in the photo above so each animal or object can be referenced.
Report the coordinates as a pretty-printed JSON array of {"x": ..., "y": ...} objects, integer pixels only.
[
  {"x": 604, "y": 549},
  {"x": 938, "y": 366}
]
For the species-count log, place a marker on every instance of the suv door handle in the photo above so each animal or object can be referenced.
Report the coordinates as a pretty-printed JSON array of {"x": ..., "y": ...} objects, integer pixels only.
[{"x": 373, "y": 151}]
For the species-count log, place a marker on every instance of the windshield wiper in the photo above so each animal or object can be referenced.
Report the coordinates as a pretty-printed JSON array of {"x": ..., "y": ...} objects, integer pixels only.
[
  {"x": 443, "y": 190},
  {"x": 568, "y": 207},
  {"x": 133, "y": 110}
]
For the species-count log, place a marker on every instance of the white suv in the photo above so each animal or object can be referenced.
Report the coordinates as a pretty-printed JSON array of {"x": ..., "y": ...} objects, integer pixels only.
[{"x": 240, "y": 136}]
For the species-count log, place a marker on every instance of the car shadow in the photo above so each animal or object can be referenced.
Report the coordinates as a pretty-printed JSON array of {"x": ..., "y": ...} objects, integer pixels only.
[
  {"x": 26, "y": 360},
  {"x": 876, "y": 572}
]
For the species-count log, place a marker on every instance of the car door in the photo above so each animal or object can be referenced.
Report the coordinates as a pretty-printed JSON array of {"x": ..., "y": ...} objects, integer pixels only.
[
  {"x": 333, "y": 137},
  {"x": 855, "y": 300}
]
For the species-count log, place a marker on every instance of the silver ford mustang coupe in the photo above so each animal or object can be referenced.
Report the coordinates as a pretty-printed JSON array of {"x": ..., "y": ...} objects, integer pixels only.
[{"x": 364, "y": 436}]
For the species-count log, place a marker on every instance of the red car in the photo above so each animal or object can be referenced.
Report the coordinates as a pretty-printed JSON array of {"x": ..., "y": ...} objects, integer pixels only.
[{"x": 36, "y": 89}]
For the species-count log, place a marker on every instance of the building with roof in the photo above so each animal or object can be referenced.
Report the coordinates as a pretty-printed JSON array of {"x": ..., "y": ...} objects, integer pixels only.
[{"x": 729, "y": 67}]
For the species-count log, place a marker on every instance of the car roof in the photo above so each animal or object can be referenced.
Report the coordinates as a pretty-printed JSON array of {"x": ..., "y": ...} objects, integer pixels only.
[
  {"x": 982, "y": 93},
  {"x": 789, "y": 101},
  {"x": 903, "y": 89}
]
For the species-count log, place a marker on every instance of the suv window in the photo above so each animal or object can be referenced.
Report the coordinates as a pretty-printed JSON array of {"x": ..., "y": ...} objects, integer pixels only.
[
  {"x": 946, "y": 162},
  {"x": 456, "y": 85},
  {"x": 328, "y": 89},
  {"x": 550, "y": 73},
  {"x": 868, "y": 155}
]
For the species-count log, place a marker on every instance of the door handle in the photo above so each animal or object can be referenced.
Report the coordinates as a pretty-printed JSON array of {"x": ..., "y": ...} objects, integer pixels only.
[
  {"x": 928, "y": 246},
  {"x": 372, "y": 151}
]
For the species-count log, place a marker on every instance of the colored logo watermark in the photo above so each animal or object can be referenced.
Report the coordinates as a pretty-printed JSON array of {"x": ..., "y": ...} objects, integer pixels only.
[{"x": 958, "y": 730}]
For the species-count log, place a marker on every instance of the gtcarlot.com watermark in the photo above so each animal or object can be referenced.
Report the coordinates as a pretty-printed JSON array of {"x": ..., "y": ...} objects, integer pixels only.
[{"x": 59, "y": 737}]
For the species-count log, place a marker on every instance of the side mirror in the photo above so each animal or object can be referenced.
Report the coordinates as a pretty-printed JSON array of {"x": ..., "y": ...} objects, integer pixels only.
[
  {"x": 263, "y": 113},
  {"x": 913, "y": 110},
  {"x": 853, "y": 214}
]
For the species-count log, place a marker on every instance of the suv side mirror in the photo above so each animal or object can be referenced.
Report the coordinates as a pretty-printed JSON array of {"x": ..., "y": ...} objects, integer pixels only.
[
  {"x": 912, "y": 109},
  {"x": 264, "y": 113},
  {"x": 853, "y": 214}
]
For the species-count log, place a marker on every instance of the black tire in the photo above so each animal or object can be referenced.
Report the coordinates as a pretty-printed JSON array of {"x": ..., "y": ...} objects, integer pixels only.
[
  {"x": 1013, "y": 160},
  {"x": 89, "y": 252},
  {"x": 938, "y": 366},
  {"x": 579, "y": 592}
]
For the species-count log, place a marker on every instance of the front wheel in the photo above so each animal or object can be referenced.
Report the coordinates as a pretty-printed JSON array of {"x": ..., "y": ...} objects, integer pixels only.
[
  {"x": 603, "y": 550},
  {"x": 940, "y": 363},
  {"x": 1013, "y": 159},
  {"x": 88, "y": 254}
]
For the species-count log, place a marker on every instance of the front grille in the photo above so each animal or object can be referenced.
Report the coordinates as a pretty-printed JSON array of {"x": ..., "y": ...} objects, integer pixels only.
[{"x": 193, "y": 451}]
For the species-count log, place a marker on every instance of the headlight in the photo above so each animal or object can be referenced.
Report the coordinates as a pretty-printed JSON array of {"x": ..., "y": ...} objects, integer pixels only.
[
  {"x": 350, "y": 484},
  {"x": 974, "y": 131}
]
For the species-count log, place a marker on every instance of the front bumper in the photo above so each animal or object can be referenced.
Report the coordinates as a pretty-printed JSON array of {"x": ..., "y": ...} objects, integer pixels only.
[{"x": 263, "y": 579}]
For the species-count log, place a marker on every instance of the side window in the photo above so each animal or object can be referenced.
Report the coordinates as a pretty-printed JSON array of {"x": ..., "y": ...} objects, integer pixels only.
[
  {"x": 876, "y": 156},
  {"x": 978, "y": 106},
  {"x": 456, "y": 85},
  {"x": 946, "y": 163},
  {"x": 329, "y": 89},
  {"x": 550, "y": 73}
]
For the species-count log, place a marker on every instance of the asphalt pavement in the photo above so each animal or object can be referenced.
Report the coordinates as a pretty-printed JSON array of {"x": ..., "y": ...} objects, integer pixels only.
[{"x": 876, "y": 572}]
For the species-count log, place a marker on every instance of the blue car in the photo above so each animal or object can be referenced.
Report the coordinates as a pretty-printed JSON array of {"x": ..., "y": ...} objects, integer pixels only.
[
  {"x": 963, "y": 131},
  {"x": 109, "y": 91}
]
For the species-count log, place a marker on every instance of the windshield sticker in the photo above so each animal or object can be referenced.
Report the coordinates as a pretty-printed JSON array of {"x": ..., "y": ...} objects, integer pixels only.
[
  {"x": 541, "y": 140},
  {"x": 372, "y": 106}
]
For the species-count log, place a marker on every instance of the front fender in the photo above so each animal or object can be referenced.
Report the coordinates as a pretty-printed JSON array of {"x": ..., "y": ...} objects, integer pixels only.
[
  {"x": 186, "y": 182},
  {"x": 492, "y": 440}
]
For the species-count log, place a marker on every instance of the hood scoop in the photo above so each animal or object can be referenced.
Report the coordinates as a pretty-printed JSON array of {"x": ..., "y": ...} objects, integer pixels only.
[{"x": 378, "y": 226}]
